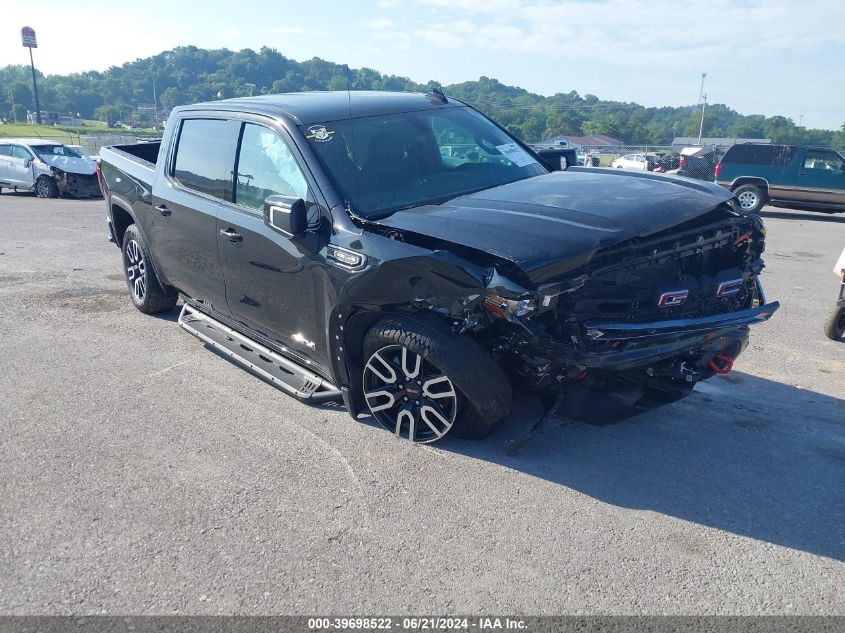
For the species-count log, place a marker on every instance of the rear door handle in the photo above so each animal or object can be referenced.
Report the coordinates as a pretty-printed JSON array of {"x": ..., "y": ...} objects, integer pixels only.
[
  {"x": 232, "y": 235},
  {"x": 164, "y": 210}
]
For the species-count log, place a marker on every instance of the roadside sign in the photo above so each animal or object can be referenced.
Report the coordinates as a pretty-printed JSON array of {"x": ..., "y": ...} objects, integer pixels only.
[{"x": 28, "y": 37}]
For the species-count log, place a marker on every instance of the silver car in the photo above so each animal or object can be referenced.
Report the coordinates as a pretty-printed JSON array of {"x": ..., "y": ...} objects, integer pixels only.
[{"x": 46, "y": 167}]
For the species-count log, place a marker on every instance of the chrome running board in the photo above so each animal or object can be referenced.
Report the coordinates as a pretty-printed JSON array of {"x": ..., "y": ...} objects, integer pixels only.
[{"x": 279, "y": 371}]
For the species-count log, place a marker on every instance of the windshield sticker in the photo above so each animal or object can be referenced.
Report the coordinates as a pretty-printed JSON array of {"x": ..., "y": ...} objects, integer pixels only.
[
  {"x": 319, "y": 133},
  {"x": 516, "y": 154}
]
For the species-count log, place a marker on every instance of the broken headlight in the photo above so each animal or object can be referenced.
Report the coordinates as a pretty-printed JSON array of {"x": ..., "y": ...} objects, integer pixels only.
[{"x": 509, "y": 309}]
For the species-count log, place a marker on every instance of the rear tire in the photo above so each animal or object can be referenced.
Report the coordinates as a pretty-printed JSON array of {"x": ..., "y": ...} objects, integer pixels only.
[
  {"x": 751, "y": 198},
  {"x": 45, "y": 187},
  {"x": 834, "y": 326},
  {"x": 456, "y": 385},
  {"x": 147, "y": 292}
]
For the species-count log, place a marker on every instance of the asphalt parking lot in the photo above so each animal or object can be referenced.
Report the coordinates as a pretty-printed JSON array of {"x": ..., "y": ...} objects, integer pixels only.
[{"x": 144, "y": 474}]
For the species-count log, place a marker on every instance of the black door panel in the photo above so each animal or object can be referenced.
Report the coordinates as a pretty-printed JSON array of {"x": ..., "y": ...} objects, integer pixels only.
[
  {"x": 183, "y": 228},
  {"x": 271, "y": 286}
]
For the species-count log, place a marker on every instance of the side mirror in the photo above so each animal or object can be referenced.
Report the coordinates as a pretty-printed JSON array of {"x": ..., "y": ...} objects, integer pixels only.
[
  {"x": 289, "y": 216},
  {"x": 554, "y": 158}
]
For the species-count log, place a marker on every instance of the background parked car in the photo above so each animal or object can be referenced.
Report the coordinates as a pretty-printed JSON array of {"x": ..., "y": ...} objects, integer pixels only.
[
  {"x": 811, "y": 178},
  {"x": 700, "y": 164},
  {"x": 632, "y": 161},
  {"x": 47, "y": 167},
  {"x": 668, "y": 162}
]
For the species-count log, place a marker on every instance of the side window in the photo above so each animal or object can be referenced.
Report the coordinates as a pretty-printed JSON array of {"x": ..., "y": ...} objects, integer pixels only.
[
  {"x": 266, "y": 167},
  {"x": 205, "y": 156},
  {"x": 20, "y": 152},
  {"x": 819, "y": 159},
  {"x": 5, "y": 149}
]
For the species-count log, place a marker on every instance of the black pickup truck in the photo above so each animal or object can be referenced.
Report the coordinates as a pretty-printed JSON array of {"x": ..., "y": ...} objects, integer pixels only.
[{"x": 403, "y": 253}]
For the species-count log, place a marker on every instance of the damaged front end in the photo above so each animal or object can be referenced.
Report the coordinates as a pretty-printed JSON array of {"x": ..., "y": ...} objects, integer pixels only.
[
  {"x": 76, "y": 185},
  {"x": 644, "y": 320}
]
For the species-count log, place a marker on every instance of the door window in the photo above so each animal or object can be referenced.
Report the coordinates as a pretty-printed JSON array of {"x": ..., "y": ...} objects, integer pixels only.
[
  {"x": 205, "y": 156},
  {"x": 822, "y": 160},
  {"x": 266, "y": 167},
  {"x": 5, "y": 149},
  {"x": 20, "y": 152}
]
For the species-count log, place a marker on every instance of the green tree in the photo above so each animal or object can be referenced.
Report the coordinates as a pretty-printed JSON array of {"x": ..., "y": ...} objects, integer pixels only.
[
  {"x": 110, "y": 114},
  {"x": 838, "y": 140}
]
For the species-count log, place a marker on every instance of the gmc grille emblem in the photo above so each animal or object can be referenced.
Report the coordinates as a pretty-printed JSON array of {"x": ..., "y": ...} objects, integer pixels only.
[
  {"x": 673, "y": 298},
  {"x": 728, "y": 288}
]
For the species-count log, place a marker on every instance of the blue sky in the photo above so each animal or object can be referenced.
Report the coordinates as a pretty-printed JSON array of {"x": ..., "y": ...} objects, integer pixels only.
[{"x": 760, "y": 56}]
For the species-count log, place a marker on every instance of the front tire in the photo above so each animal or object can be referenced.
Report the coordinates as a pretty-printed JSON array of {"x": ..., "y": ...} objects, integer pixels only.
[
  {"x": 45, "y": 187},
  {"x": 834, "y": 326},
  {"x": 145, "y": 289},
  {"x": 751, "y": 198},
  {"x": 421, "y": 381}
]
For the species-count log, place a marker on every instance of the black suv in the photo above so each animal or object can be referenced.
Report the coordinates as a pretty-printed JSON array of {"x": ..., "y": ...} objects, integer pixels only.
[{"x": 405, "y": 254}]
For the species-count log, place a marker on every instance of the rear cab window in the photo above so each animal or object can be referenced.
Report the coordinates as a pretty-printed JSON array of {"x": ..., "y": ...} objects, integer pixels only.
[{"x": 205, "y": 156}]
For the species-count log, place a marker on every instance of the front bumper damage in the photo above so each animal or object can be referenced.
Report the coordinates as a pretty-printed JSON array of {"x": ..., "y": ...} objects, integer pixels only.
[
  {"x": 77, "y": 185},
  {"x": 633, "y": 344}
]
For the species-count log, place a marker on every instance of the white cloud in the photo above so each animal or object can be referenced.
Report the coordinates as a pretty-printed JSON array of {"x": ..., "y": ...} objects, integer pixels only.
[
  {"x": 636, "y": 33},
  {"x": 381, "y": 24},
  {"x": 285, "y": 30}
]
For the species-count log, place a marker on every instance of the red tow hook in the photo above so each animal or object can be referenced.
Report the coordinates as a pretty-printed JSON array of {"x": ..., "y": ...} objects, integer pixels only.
[{"x": 727, "y": 364}]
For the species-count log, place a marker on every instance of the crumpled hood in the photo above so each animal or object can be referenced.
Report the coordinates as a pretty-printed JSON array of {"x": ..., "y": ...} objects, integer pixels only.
[
  {"x": 553, "y": 223},
  {"x": 72, "y": 165}
]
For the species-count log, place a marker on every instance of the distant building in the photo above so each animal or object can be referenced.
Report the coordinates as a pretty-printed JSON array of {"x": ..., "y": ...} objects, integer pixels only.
[
  {"x": 720, "y": 141},
  {"x": 574, "y": 141},
  {"x": 54, "y": 118}
]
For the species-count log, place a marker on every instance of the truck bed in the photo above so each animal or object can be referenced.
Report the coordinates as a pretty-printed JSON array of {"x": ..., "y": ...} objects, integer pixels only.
[
  {"x": 136, "y": 161},
  {"x": 148, "y": 152}
]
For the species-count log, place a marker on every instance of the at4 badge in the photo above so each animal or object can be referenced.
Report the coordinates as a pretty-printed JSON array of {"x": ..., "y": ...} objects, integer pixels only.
[{"x": 319, "y": 134}]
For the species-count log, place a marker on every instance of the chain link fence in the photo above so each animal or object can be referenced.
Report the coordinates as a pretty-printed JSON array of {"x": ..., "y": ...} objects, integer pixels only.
[{"x": 92, "y": 143}]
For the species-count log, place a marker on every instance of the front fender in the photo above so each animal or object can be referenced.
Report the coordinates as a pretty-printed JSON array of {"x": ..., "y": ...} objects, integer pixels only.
[{"x": 434, "y": 281}]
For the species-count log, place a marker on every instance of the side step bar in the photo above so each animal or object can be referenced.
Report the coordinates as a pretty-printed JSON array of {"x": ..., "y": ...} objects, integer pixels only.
[{"x": 279, "y": 371}]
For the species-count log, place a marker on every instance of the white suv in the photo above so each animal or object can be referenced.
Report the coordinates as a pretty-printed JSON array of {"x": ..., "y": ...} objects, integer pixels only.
[{"x": 47, "y": 167}]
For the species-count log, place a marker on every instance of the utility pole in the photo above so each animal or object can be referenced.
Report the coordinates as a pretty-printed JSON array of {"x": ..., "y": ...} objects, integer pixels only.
[
  {"x": 12, "y": 97},
  {"x": 701, "y": 97},
  {"x": 701, "y": 127},
  {"x": 155, "y": 107},
  {"x": 29, "y": 41}
]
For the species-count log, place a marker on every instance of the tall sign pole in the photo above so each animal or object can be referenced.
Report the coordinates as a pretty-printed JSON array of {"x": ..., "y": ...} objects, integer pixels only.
[{"x": 28, "y": 40}]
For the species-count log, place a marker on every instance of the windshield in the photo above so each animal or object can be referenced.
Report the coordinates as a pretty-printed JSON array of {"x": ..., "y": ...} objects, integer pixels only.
[
  {"x": 384, "y": 163},
  {"x": 55, "y": 150}
]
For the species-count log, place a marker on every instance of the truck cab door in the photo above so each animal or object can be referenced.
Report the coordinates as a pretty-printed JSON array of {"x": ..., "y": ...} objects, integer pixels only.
[
  {"x": 181, "y": 226},
  {"x": 821, "y": 178},
  {"x": 273, "y": 285}
]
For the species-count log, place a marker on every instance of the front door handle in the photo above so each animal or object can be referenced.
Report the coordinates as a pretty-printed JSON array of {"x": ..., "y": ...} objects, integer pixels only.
[
  {"x": 164, "y": 210},
  {"x": 232, "y": 235}
]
